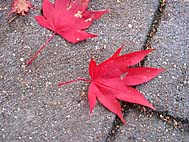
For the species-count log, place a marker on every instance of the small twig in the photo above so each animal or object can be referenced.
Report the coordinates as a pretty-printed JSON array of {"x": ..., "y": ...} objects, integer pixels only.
[{"x": 12, "y": 19}]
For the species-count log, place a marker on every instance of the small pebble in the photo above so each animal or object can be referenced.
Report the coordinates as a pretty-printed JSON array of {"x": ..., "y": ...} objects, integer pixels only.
[
  {"x": 130, "y": 26},
  {"x": 159, "y": 76},
  {"x": 22, "y": 59}
]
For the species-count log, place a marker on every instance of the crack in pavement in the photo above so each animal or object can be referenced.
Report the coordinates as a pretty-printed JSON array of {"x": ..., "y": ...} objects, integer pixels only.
[
  {"x": 177, "y": 122},
  {"x": 154, "y": 26},
  {"x": 117, "y": 122},
  {"x": 147, "y": 44}
]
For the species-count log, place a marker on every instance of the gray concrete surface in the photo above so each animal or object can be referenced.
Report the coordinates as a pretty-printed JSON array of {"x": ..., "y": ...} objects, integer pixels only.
[
  {"x": 32, "y": 108},
  {"x": 169, "y": 92},
  {"x": 143, "y": 128}
]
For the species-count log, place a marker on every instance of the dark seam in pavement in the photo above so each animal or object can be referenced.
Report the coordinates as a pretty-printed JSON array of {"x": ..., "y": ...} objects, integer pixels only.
[
  {"x": 117, "y": 122},
  {"x": 154, "y": 27},
  {"x": 147, "y": 45},
  {"x": 177, "y": 122}
]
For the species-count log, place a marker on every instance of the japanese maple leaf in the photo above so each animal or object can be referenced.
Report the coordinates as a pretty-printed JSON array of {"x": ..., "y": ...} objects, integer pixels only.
[
  {"x": 112, "y": 80},
  {"x": 69, "y": 19},
  {"x": 20, "y": 7}
]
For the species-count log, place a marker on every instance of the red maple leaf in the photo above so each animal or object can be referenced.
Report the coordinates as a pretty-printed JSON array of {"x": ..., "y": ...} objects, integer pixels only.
[
  {"x": 112, "y": 80},
  {"x": 20, "y": 7},
  {"x": 69, "y": 19}
]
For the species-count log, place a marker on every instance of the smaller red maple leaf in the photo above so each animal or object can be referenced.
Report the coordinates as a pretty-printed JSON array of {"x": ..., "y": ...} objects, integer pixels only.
[
  {"x": 112, "y": 80},
  {"x": 69, "y": 19},
  {"x": 21, "y": 7}
]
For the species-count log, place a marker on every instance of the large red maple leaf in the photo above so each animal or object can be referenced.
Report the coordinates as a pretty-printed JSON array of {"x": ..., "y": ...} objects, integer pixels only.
[
  {"x": 69, "y": 19},
  {"x": 112, "y": 80}
]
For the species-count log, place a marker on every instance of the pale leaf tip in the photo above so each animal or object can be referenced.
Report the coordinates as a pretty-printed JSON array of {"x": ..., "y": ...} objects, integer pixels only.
[
  {"x": 160, "y": 70},
  {"x": 107, "y": 10},
  {"x": 151, "y": 106},
  {"x": 151, "y": 49},
  {"x": 123, "y": 120},
  {"x": 90, "y": 113}
]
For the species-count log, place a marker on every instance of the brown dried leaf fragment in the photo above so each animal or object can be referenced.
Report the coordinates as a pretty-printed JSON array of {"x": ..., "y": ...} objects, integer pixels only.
[{"x": 21, "y": 7}]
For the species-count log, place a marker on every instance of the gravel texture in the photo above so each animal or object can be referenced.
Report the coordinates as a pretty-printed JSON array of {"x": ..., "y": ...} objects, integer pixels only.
[{"x": 32, "y": 107}]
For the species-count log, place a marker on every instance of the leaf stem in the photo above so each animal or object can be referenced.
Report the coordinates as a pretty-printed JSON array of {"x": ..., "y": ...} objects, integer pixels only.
[
  {"x": 78, "y": 79},
  {"x": 40, "y": 49}
]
